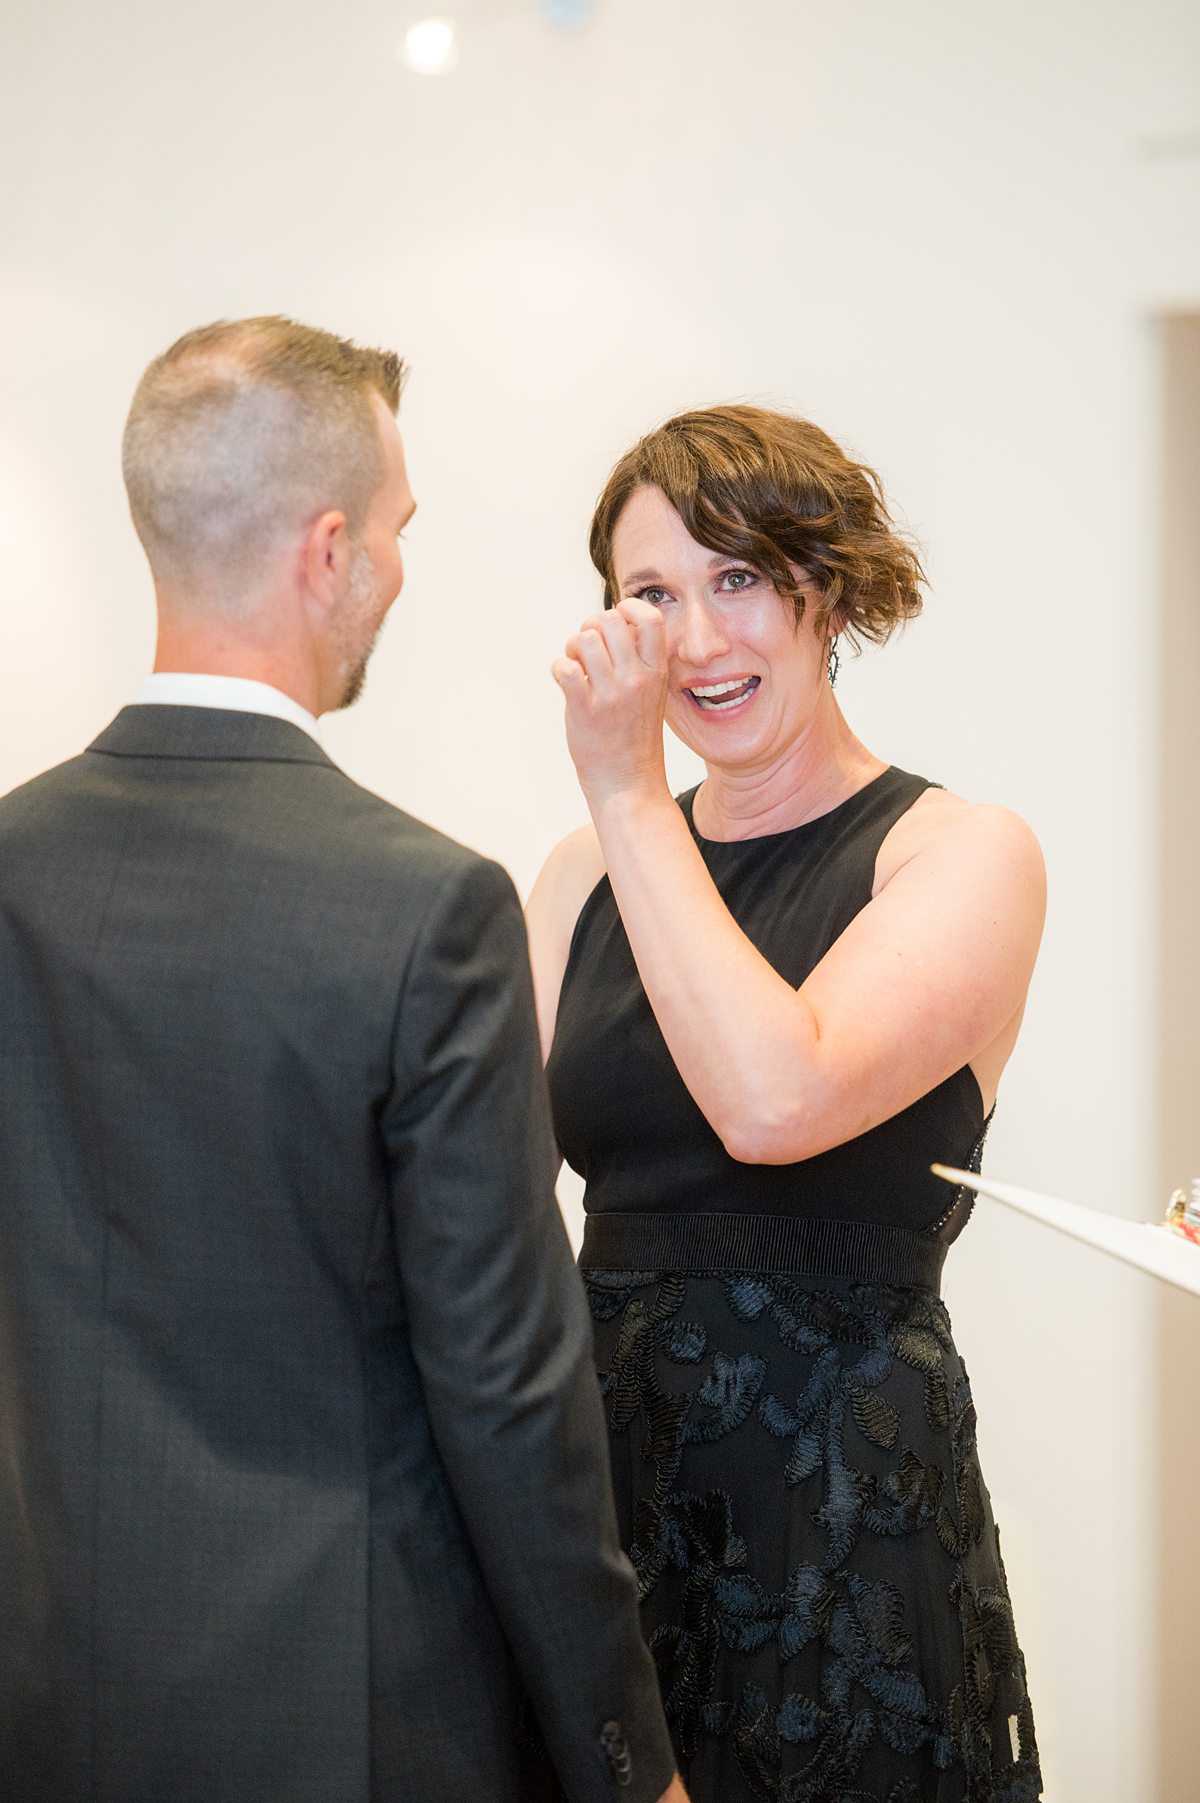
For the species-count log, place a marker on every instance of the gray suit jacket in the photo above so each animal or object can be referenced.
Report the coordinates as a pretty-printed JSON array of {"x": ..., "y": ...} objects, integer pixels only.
[{"x": 304, "y": 1492}]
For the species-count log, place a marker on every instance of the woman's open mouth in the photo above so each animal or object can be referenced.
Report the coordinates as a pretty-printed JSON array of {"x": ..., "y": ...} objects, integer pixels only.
[{"x": 724, "y": 697}]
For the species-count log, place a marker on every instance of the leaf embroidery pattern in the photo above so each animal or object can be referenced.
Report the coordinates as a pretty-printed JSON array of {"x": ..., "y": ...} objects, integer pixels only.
[{"x": 818, "y": 1684}]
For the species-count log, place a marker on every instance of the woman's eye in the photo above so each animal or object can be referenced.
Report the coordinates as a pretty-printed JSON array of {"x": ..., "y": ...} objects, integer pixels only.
[
  {"x": 738, "y": 579},
  {"x": 654, "y": 595}
]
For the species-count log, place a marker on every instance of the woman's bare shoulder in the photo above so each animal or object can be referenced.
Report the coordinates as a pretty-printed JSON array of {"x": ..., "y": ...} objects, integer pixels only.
[
  {"x": 575, "y": 864},
  {"x": 946, "y": 828},
  {"x": 567, "y": 878}
]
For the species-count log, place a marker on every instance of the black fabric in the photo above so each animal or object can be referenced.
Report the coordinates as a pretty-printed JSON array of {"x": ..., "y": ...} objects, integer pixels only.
[
  {"x": 741, "y": 1242},
  {"x": 303, "y": 1476},
  {"x": 622, "y": 1114},
  {"x": 822, "y": 1588},
  {"x": 791, "y": 1428}
]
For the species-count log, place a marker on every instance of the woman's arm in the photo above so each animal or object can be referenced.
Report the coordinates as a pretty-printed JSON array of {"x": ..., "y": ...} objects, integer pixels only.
[{"x": 927, "y": 977}]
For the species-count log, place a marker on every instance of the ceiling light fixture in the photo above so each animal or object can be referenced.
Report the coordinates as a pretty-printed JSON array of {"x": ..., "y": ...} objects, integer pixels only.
[{"x": 430, "y": 46}]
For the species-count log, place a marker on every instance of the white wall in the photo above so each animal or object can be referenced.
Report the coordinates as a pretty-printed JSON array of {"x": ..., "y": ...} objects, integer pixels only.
[{"x": 936, "y": 228}]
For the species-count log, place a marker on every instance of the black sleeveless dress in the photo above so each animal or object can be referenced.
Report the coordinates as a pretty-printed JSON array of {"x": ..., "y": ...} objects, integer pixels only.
[{"x": 793, "y": 1438}]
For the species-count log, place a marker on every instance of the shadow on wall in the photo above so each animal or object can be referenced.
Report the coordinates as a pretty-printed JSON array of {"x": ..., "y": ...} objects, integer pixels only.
[{"x": 1177, "y": 1551}]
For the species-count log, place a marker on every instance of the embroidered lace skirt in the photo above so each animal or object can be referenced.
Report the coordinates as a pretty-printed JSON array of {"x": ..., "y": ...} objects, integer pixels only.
[{"x": 793, "y": 1448}]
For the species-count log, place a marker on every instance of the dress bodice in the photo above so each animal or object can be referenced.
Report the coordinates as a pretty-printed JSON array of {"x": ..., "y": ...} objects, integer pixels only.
[{"x": 623, "y": 1115}]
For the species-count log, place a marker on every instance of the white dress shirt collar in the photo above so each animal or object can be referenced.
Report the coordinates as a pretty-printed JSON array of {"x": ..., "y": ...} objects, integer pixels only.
[{"x": 167, "y": 688}]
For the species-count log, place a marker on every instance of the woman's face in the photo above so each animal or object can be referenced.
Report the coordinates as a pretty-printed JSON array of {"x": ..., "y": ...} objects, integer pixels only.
[{"x": 744, "y": 679}]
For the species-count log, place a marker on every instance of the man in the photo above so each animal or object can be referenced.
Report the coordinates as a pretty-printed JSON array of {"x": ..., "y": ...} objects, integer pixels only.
[{"x": 303, "y": 1482}]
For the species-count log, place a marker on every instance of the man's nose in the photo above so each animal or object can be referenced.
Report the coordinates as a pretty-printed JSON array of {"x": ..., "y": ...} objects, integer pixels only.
[{"x": 701, "y": 635}]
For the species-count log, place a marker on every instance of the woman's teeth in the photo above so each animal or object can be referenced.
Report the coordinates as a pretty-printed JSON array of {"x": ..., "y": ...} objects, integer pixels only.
[{"x": 718, "y": 697}]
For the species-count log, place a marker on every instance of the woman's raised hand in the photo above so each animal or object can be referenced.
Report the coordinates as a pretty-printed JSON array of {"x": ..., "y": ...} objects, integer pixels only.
[{"x": 613, "y": 675}]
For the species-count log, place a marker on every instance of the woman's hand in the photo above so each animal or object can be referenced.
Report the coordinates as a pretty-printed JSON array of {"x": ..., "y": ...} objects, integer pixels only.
[{"x": 613, "y": 675}]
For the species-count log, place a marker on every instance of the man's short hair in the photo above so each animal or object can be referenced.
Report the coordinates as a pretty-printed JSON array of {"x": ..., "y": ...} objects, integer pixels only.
[{"x": 243, "y": 433}]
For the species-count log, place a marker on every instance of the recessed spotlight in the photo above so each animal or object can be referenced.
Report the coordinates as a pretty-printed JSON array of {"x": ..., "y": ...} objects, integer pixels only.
[{"x": 430, "y": 47}]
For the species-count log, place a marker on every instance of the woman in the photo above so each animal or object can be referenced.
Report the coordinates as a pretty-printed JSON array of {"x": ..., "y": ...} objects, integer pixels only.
[{"x": 772, "y": 1005}]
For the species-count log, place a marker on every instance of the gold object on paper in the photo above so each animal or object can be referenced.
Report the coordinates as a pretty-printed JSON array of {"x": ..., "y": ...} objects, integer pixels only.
[{"x": 1183, "y": 1213}]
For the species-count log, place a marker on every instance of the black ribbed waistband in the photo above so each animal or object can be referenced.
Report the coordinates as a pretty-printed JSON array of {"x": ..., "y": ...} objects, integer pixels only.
[{"x": 701, "y": 1243}]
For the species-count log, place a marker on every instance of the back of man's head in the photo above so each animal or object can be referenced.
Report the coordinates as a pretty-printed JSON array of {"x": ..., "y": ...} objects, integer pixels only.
[{"x": 240, "y": 436}]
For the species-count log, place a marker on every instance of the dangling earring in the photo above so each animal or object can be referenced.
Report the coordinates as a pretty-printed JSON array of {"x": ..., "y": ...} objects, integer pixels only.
[{"x": 835, "y": 662}]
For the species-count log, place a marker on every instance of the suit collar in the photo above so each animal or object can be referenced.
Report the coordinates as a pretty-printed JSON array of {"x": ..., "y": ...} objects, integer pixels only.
[
  {"x": 150, "y": 731},
  {"x": 239, "y": 694}
]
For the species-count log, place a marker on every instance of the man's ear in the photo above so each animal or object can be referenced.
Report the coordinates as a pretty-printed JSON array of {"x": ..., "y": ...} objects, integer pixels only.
[{"x": 325, "y": 557}]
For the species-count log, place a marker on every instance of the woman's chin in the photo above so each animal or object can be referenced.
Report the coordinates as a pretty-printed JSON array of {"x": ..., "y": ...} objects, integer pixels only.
[{"x": 723, "y": 747}]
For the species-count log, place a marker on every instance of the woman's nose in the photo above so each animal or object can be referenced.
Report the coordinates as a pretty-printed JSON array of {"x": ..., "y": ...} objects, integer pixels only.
[{"x": 701, "y": 636}]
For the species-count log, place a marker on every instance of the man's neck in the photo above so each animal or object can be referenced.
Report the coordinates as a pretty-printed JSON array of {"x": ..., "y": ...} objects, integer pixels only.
[{"x": 223, "y": 652}]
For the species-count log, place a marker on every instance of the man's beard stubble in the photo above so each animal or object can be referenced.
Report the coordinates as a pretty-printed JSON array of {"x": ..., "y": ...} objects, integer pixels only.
[{"x": 356, "y": 625}]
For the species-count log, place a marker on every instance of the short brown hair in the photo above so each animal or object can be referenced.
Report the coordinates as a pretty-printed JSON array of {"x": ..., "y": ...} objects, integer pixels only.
[
  {"x": 246, "y": 429},
  {"x": 774, "y": 489}
]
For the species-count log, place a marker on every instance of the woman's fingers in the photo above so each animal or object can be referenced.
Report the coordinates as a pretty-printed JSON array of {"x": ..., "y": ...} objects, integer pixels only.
[
  {"x": 620, "y": 639},
  {"x": 632, "y": 636},
  {"x": 570, "y": 676},
  {"x": 645, "y": 627},
  {"x": 589, "y": 648},
  {"x": 615, "y": 656},
  {"x": 614, "y": 707}
]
